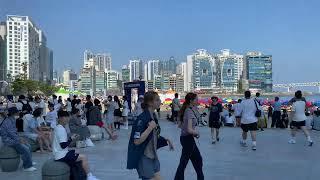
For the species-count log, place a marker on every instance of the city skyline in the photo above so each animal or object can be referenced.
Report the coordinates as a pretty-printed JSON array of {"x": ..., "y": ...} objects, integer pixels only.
[{"x": 140, "y": 30}]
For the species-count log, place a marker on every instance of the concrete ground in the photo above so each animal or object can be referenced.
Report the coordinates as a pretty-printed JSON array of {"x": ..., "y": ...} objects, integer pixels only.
[{"x": 274, "y": 159}]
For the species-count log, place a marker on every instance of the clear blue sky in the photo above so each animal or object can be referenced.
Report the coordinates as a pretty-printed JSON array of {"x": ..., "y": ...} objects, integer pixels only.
[{"x": 287, "y": 29}]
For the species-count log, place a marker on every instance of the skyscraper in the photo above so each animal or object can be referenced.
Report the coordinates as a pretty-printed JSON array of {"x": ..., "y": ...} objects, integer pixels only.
[
  {"x": 22, "y": 46},
  {"x": 153, "y": 69},
  {"x": 3, "y": 52},
  {"x": 44, "y": 58},
  {"x": 136, "y": 69},
  {"x": 259, "y": 71}
]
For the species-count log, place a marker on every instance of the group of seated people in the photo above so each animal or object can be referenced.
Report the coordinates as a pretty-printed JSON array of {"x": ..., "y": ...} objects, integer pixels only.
[{"x": 19, "y": 127}]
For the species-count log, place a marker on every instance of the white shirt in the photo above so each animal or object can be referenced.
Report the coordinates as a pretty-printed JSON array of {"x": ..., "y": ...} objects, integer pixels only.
[
  {"x": 52, "y": 117},
  {"x": 69, "y": 107},
  {"x": 236, "y": 108},
  {"x": 57, "y": 107},
  {"x": 230, "y": 119},
  {"x": 247, "y": 111},
  {"x": 42, "y": 105},
  {"x": 298, "y": 109},
  {"x": 125, "y": 110},
  {"x": 26, "y": 119},
  {"x": 60, "y": 136}
]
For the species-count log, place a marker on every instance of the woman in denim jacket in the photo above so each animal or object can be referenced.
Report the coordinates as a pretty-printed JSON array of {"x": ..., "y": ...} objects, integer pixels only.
[{"x": 145, "y": 139}]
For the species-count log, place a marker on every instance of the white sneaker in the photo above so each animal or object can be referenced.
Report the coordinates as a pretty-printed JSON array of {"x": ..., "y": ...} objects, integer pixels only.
[
  {"x": 91, "y": 177},
  {"x": 89, "y": 143},
  {"x": 292, "y": 141},
  {"x": 34, "y": 163},
  {"x": 30, "y": 169},
  {"x": 254, "y": 147}
]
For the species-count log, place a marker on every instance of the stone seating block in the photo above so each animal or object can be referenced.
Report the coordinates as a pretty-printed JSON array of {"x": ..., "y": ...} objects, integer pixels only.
[
  {"x": 55, "y": 170},
  {"x": 9, "y": 159}
]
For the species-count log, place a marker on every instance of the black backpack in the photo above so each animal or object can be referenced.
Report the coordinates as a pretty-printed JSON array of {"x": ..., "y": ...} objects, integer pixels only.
[{"x": 26, "y": 107}]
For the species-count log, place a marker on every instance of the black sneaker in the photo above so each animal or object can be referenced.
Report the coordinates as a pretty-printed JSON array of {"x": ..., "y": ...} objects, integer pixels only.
[
  {"x": 262, "y": 129},
  {"x": 218, "y": 139},
  {"x": 310, "y": 143},
  {"x": 254, "y": 148},
  {"x": 213, "y": 142}
]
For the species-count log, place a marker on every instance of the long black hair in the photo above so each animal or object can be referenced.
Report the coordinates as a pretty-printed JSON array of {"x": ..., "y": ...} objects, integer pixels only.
[
  {"x": 116, "y": 99},
  {"x": 189, "y": 97}
]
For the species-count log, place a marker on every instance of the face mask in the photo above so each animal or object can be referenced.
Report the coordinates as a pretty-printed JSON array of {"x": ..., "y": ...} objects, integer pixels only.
[
  {"x": 16, "y": 117},
  {"x": 78, "y": 115}
]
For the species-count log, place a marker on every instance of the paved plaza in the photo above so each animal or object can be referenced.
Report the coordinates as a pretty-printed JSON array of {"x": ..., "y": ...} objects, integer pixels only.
[{"x": 275, "y": 159}]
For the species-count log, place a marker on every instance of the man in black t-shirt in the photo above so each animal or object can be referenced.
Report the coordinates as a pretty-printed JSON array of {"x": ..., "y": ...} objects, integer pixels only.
[
  {"x": 87, "y": 106},
  {"x": 214, "y": 119}
]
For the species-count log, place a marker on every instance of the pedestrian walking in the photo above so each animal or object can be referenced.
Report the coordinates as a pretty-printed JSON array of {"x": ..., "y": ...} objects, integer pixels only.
[
  {"x": 249, "y": 112},
  {"x": 190, "y": 151}
]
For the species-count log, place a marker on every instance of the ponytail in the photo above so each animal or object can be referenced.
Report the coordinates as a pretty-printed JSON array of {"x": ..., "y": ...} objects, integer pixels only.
[{"x": 189, "y": 97}]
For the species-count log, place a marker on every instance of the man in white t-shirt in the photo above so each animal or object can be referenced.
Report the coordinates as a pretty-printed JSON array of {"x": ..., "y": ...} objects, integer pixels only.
[
  {"x": 299, "y": 118},
  {"x": 247, "y": 111},
  {"x": 61, "y": 142}
]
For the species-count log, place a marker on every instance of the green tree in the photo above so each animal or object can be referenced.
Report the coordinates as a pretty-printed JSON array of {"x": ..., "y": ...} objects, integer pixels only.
[
  {"x": 20, "y": 86},
  {"x": 47, "y": 90}
]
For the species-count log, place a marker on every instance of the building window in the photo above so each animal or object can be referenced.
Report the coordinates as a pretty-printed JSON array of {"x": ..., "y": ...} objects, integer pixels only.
[{"x": 229, "y": 72}]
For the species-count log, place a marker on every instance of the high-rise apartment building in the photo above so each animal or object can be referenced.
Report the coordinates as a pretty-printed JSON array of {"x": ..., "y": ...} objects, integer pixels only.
[
  {"x": 136, "y": 69},
  {"x": 167, "y": 67},
  {"x": 258, "y": 70},
  {"x": 229, "y": 70},
  {"x": 125, "y": 73},
  {"x": 201, "y": 71},
  {"x": 102, "y": 61},
  {"x": 112, "y": 78},
  {"x": 68, "y": 76},
  {"x": 153, "y": 69},
  {"x": 22, "y": 46},
  {"x": 3, "y": 51}
]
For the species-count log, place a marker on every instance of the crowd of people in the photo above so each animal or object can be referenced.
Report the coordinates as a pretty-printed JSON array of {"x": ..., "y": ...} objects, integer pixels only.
[{"x": 56, "y": 125}]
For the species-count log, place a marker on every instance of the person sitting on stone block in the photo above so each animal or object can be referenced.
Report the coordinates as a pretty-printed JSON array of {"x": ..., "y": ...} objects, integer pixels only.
[
  {"x": 10, "y": 137},
  {"x": 61, "y": 142}
]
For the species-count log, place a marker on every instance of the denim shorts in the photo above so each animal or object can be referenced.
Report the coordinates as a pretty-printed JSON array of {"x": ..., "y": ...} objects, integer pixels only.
[{"x": 148, "y": 167}]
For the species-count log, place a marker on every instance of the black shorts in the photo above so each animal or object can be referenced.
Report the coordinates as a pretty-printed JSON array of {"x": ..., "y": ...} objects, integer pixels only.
[
  {"x": 70, "y": 158},
  {"x": 249, "y": 127},
  {"x": 214, "y": 124},
  {"x": 298, "y": 124}
]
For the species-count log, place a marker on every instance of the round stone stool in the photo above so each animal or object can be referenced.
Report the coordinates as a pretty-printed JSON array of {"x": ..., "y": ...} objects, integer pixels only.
[
  {"x": 9, "y": 159},
  {"x": 96, "y": 133},
  {"x": 55, "y": 170}
]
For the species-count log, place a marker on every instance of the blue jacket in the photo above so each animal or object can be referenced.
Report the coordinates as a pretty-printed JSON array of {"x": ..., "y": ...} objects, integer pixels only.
[
  {"x": 8, "y": 132},
  {"x": 135, "y": 152}
]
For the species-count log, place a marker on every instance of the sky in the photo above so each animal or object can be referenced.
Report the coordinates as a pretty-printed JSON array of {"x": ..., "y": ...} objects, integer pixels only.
[{"x": 289, "y": 30}]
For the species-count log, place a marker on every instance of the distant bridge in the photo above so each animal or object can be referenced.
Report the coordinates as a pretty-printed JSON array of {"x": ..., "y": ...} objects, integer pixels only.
[{"x": 290, "y": 86}]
